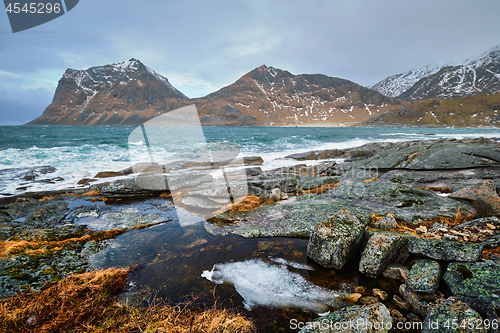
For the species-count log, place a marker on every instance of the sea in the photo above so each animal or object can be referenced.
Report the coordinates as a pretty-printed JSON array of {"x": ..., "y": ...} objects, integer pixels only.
[{"x": 81, "y": 152}]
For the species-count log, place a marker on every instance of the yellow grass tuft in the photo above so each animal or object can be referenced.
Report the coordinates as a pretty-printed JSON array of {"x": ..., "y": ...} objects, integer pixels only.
[{"x": 87, "y": 303}]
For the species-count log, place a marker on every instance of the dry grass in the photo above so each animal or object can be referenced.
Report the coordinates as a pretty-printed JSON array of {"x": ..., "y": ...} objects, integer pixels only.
[
  {"x": 321, "y": 189},
  {"x": 87, "y": 303},
  {"x": 487, "y": 252}
]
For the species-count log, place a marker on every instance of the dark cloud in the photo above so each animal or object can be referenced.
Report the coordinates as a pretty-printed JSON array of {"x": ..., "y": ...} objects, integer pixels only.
[{"x": 203, "y": 45}]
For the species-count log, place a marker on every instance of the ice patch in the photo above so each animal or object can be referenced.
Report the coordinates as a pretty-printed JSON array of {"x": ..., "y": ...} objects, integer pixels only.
[{"x": 270, "y": 285}]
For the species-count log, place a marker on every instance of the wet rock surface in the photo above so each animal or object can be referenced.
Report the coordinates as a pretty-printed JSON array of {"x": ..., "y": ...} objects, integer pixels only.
[{"x": 371, "y": 318}]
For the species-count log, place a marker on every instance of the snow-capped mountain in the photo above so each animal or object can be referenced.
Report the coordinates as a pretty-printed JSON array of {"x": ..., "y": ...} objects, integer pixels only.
[
  {"x": 270, "y": 96},
  {"x": 130, "y": 93},
  {"x": 126, "y": 93},
  {"x": 475, "y": 76},
  {"x": 395, "y": 85}
]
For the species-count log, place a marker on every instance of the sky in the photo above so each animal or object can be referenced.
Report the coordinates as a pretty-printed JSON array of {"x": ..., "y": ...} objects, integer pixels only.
[{"x": 201, "y": 46}]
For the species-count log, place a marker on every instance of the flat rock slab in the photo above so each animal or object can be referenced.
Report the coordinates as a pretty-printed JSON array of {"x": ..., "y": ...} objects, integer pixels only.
[
  {"x": 334, "y": 241},
  {"x": 446, "y": 250},
  {"x": 371, "y": 318},
  {"x": 424, "y": 276},
  {"x": 407, "y": 204},
  {"x": 485, "y": 188},
  {"x": 451, "y": 179},
  {"x": 441, "y": 318},
  {"x": 477, "y": 284}
]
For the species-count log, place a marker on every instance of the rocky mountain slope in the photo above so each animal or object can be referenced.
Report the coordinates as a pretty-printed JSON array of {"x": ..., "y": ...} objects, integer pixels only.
[
  {"x": 482, "y": 110},
  {"x": 130, "y": 93},
  {"x": 127, "y": 93},
  {"x": 270, "y": 96},
  {"x": 476, "y": 76}
]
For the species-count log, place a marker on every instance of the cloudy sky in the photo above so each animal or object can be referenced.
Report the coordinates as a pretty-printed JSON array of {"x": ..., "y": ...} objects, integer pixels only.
[{"x": 201, "y": 46}]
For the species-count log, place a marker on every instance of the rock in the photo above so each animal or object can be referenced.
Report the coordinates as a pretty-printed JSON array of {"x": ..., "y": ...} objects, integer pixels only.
[
  {"x": 253, "y": 160},
  {"x": 421, "y": 230},
  {"x": 360, "y": 289},
  {"x": 379, "y": 252},
  {"x": 485, "y": 188},
  {"x": 396, "y": 272},
  {"x": 311, "y": 155},
  {"x": 128, "y": 188},
  {"x": 353, "y": 298},
  {"x": 85, "y": 181},
  {"x": 453, "y": 180},
  {"x": 487, "y": 206},
  {"x": 493, "y": 314},
  {"x": 481, "y": 222},
  {"x": 385, "y": 223},
  {"x": 275, "y": 194},
  {"x": 334, "y": 241},
  {"x": 143, "y": 167},
  {"x": 408, "y": 204},
  {"x": 397, "y": 317},
  {"x": 446, "y": 250},
  {"x": 251, "y": 172},
  {"x": 329, "y": 153},
  {"x": 477, "y": 283},
  {"x": 316, "y": 182},
  {"x": 367, "y": 318},
  {"x": 452, "y": 311},
  {"x": 202, "y": 202},
  {"x": 382, "y": 295},
  {"x": 418, "y": 306},
  {"x": 109, "y": 174},
  {"x": 400, "y": 303},
  {"x": 283, "y": 196},
  {"x": 368, "y": 300},
  {"x": 424, "y": 276}
]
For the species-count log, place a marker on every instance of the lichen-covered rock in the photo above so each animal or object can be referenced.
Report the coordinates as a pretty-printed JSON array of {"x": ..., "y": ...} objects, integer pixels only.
[
  {"x": 419, "y": 306},
  {"x": 477, "y": 284},
  {"x": 408, "y": 204},
  {"x": 446, "y": 250},
  {"x": 367, "y": 319},
  {"x": 386, "y": 223},
  {"x": 487, "y": 206},
  {"x": 453, "y": 315},
  {"x": 334, "y": 241},
  {"x": 379, "y": 252},
  {"x": 424, "y": 276}
]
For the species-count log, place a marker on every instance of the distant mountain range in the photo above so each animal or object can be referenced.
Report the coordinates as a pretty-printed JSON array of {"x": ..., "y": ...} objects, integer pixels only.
[
  {"x": 130, "y": 93},
  {"x": 476, "y": 76}
]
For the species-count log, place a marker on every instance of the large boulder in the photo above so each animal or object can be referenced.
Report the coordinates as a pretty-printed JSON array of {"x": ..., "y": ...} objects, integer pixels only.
[
  {"x": 407, "y": 204},
  {"x": 366, "y": 318},
  {"x": 424, "y": 276},
  {"x": 485, "y": 188},
  {"x": 453, "y": 316},
  {"x": 446, "y": 250},
  {"x": 380, "y": 251},
  {"x": 334, "y": 241},
  {"x": 477, "y": 284},
  {"x": 413, "y": 299}
]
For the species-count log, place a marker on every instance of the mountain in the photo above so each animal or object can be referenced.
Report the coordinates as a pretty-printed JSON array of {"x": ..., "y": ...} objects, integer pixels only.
[
  {"x": 476, "y": 76},
  {"x": 126, "y": 93},
  {"x": 270, "y": 96},
  {"x": 477, "y": 111},
  {"x": 129, "y": 93},
  {"x": 395, "y": 85}
]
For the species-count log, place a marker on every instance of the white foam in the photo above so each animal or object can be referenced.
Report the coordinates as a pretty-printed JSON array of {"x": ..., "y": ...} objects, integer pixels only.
[{"x": 270, "y": 285}]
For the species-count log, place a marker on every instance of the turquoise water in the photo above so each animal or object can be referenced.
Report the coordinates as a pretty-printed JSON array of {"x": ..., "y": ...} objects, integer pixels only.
[{"x": 81, "y": 152}]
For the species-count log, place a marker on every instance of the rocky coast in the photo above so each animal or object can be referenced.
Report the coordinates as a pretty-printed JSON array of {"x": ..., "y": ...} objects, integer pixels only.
[{"x": 422, "y": 214}]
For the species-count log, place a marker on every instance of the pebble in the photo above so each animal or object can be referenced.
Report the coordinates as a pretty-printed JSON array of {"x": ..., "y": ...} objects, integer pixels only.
[
  {"x": 353, "y": 298},
  {"x": 382, "y": 295},
  {"x": 400, "y": 303},
  {"x": 368, "y": 300},
  {"x": 360, "y": 289},
  {"x": 421, "y": 230}
]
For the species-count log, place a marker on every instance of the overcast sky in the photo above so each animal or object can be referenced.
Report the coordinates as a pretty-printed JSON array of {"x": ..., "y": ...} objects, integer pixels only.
[{"x": 201, "y": 46}]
